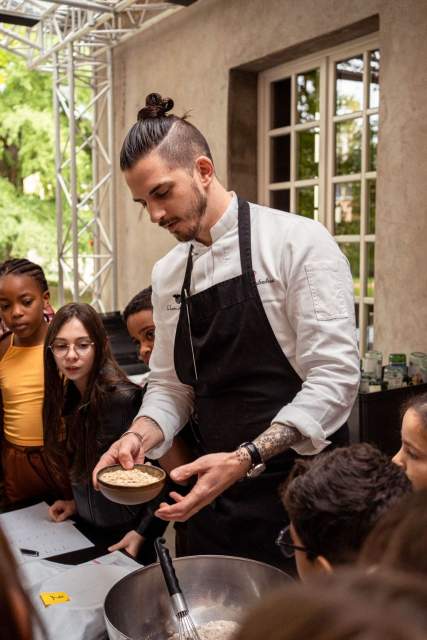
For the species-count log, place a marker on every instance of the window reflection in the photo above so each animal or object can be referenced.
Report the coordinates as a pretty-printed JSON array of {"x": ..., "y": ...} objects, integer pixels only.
[
  {"x": 372, "y": 190},
  {"x": 281, "y": 103},
  {"x": 280, "y": 159},
  {"x": 308, "y": 153},
  {"x": 352, "y": 251},
  {"x": 349, "y": 85},
  {"x": 280, "y": 200},
  {"x": 373, "y": 142},
  {"x": 370, "y": 285},
  {"x": 347, "y": 208},
  {"x": 308, "y": 96},
  {"x": 348, "y": 142},
  {"x": 374, "y": 79},
  {"x": 369, "y": 311},
  {"x": 308, "y": 202}
]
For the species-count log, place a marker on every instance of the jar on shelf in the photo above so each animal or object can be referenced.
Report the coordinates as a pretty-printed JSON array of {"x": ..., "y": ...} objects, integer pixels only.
[
  {"x": 393, "y": 377},
  {"x": 372, "y": 364},
  {"x": 417, "y": 360},
  {"x": 398, "y": 360},
  {"x": 364, "y": 383}
]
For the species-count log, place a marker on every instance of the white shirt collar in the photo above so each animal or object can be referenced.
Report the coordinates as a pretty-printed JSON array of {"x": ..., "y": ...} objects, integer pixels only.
[{"x": 227, "y": 221}]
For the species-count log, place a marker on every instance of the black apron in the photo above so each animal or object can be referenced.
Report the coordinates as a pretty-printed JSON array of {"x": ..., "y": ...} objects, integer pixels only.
[{"x": 226, "y": 349}]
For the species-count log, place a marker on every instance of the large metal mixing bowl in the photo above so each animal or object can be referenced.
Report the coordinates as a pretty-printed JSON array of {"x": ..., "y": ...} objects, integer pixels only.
[{"x": 215, "y": 587}]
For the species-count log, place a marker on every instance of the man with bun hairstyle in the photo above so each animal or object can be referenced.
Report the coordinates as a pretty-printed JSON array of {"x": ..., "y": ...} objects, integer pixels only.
[{"x": 255, "y": 332}]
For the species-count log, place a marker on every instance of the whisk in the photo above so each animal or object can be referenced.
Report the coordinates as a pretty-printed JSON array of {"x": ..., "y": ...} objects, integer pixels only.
[{"x": 186, "y": 627}]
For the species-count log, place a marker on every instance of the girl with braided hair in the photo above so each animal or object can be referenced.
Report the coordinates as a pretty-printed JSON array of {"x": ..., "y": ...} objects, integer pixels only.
[{"x": 24, "y": 300}]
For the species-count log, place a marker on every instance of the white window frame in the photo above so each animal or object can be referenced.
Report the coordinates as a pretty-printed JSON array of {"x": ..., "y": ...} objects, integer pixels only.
[{"x": 325, "y": 61}]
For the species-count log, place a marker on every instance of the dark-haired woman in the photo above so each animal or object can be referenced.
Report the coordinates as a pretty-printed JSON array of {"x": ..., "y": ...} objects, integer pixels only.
[
  {"x": 24, "y": 301},
  {"x": 412, "y": 455},
  {"x": 89, "y": 402}
]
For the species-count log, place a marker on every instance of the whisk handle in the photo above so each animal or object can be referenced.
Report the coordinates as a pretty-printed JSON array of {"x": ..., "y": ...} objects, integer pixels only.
[{"x": 167, "y": 567}]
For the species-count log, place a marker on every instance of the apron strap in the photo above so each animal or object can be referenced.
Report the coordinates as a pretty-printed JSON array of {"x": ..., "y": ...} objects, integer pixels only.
[
  {"x": 244, "y": 222},
  {"x": 188, "y": 272}
]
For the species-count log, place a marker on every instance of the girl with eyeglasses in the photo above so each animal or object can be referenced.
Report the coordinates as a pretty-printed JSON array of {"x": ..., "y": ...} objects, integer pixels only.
[
  {"x": 24, "y": 303},
  {"x": 89, "y": 403}
]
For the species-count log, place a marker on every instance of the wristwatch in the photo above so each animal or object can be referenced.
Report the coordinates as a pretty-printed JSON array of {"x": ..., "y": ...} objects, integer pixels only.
[{"x": 257, "y": 464}]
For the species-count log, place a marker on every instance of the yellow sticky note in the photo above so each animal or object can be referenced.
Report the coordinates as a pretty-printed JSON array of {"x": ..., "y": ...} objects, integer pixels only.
[{"x": 53, "y": 597}]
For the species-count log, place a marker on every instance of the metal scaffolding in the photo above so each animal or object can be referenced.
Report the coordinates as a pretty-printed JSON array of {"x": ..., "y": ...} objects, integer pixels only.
[{"x": 73, "y": 39}]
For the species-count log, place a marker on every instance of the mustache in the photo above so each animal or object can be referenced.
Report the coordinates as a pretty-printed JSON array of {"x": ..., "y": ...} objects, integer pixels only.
[{"x": 166, "y": 223}]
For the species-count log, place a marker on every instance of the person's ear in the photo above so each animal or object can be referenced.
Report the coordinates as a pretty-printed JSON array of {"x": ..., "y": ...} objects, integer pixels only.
[
  {"x": 205, "y": 170},
  {"x": 323, "y": 565},
  {"x": 46, "y": 299}
]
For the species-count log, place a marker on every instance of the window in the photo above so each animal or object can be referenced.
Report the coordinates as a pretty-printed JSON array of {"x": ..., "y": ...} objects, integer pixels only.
[{"x": 318, "y": 136}]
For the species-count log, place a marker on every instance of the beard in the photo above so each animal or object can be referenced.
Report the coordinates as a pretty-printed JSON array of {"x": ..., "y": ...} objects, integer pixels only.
[{"x": 193, "y": 217}]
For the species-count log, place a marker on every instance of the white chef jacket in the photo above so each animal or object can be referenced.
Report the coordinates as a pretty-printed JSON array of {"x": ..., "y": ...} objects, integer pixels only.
[{"x": 306, "y": 289}]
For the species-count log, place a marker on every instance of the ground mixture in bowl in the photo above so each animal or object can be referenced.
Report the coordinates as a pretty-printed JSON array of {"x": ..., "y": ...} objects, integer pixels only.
[
  {"x": 214, "y": 630},
  {"x": 128, "y": 477}
]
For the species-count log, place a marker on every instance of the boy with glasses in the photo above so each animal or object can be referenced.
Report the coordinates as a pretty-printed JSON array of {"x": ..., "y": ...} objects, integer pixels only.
[{"x": 333, "y": 502}]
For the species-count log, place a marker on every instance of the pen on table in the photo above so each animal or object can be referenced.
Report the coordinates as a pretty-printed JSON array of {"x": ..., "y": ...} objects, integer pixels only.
[{"x": 29, "y": 552}]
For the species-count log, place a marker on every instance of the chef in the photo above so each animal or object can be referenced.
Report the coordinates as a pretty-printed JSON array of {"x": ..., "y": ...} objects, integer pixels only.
[{"x": 255, "y": 332}]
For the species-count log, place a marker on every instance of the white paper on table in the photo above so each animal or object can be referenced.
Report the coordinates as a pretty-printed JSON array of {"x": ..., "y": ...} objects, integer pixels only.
[
  {"x": 117, "y": 558},
  {"x": 33, "y": 573},
  {"x": 82, "y": 617},
  {"x": 31, "y": 528}
]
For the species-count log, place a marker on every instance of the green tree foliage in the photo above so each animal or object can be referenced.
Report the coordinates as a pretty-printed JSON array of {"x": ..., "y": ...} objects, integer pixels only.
[
  {"x": 28, "y": 226},
  {"x": 26, "y": 127}
]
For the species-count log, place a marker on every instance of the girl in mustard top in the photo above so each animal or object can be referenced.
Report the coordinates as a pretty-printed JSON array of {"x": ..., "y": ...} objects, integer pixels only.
[{"x": 24, "y": 297}]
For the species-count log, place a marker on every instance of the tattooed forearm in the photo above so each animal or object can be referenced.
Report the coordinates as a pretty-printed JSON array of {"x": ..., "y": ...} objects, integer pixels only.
[{"x": 276, "y": 439}]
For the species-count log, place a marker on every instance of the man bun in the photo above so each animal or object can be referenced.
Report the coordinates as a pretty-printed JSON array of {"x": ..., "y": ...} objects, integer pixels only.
[{"x": 155, "y": 106}]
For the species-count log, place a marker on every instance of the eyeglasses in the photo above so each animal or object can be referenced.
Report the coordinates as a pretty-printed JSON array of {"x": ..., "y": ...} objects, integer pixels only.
[
  {"x": 287, "y": 547},
  {"x": 61, "y": 350}
]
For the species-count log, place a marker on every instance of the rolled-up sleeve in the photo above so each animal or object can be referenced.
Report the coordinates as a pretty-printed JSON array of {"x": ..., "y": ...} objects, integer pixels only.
[
  {"x": 167, "y": 400},
  {"x": 320, "y": 308}
]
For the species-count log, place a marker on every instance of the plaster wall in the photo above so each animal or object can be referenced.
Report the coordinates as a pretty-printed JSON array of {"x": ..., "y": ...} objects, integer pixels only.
[
  {"x": 189, "y": 56},
  {"x": 401, "y": 239}
]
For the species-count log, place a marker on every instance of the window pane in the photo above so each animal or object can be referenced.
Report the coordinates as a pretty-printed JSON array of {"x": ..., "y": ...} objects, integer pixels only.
[
  {"x": 352, "y": 251},
  {"x": 308, "y": 202},
  {"x": 371, "y": 269},
  {"x": 308, "y": 96},
  {"x": 281, "y": 103},
  {"x": 369, "y": 310},
  {"x": 374, "y": 79},
  {"x": 347, "y": 208},
  {"x": 372, "y": 190},
  {"x": 308, "y": 154},
  {"x": 280, "y": 200},
  {"x": 373, "y": 143},
  {"x": 280, "y": 159},
  {"x": 348, "y": 143},
  {"x": 349, "y": 85}
]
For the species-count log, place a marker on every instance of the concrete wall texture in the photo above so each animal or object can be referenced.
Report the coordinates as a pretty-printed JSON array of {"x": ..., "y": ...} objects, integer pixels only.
[{"x": 189, "y": 57}]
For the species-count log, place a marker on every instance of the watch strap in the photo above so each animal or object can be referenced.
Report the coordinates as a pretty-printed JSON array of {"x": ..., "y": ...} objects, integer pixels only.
[{"x": 252, "y": 449}]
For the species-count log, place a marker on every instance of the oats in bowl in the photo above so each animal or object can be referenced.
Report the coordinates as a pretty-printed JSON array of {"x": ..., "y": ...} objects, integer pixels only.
[
  {"x": 129, "y": 477},
  {"x": 131, "y": 486}
]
